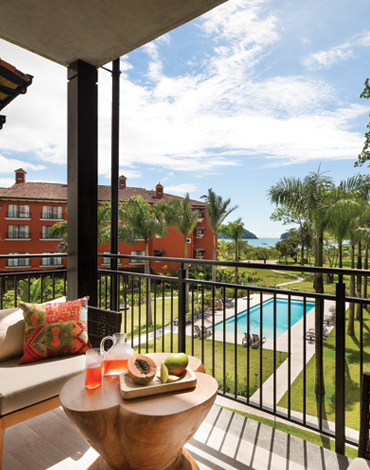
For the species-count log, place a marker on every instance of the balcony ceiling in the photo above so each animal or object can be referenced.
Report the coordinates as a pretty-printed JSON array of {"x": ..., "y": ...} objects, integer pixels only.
[{"x": 94, "y": 31}]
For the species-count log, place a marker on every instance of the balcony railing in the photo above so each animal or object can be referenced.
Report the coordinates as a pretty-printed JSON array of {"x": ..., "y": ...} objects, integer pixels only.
[
  {"x": 18, "y": 236},
  {"x": 276, "y": 374},
  {"x": 18, "y": 215}
]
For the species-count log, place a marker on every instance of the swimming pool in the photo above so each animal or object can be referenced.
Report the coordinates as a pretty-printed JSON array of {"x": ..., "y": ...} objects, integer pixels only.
[{"x": 267, "y": 318}]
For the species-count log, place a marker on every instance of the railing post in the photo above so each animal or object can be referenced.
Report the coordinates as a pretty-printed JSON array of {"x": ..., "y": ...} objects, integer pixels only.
[
  {"x": 182, "y": 309},
  {"x": 364, "y": 416},
  {"x": 340, "y": 344}
]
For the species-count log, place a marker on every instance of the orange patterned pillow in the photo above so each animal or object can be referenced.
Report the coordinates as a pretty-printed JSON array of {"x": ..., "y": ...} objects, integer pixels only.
[{"x": 54, "y": 329}]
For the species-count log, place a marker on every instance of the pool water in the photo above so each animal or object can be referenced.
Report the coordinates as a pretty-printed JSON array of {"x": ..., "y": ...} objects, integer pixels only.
[{"x": 282, "y": 326}]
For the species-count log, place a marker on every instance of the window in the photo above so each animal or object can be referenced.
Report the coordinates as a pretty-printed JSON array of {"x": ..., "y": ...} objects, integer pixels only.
[
  {"x": 18, "y": 261},
  {"x": 18, "y": 231},
  {"x": 51, "y": 261},
  {"x": 107, "y": 260},
  {"x": 52, "y": 212},
  {"x": 137, "y": 253},
  {"x": 45, "y": 231},
  {"x": 18, "y": 211}
]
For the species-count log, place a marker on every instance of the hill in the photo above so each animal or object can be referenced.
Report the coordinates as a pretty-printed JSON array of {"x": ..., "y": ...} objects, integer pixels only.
[{"x": 247, "y": 235}]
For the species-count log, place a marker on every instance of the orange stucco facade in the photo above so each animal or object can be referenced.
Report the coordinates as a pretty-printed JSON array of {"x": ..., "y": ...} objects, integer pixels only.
[{"x": 28, "y": 210}]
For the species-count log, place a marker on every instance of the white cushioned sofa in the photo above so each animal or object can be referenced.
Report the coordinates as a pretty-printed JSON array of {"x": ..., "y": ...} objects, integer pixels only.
[{"x": 28, "y": 390}]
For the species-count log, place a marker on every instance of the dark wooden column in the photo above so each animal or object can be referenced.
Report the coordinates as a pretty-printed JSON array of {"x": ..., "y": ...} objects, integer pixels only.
[
  {"x": 82, "y": 181},
  {"x": 114, "y": 305}
]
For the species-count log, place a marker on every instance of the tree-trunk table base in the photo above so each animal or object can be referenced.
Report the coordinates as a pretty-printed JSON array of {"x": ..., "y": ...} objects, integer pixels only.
[
  {"x": 184, "y": 462},
  {"x": 146, "y": 433}
]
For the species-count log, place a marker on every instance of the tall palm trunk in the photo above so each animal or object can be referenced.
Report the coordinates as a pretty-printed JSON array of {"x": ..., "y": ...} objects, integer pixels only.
[
  {"x": 351, "y": 309},
  {"x": 340, "y": 250},
  {"x": 186, "y": 267},
  {"x": 148, "y": 296},
  {"x": 302, "y": 247},
  {"x": 214, "y": 258},
  {"x": 236, "y": 259},
  {"x": 359, "y": 281},
  {"x": 319, "y": 288},
  {"x": 366, "y": 266}
]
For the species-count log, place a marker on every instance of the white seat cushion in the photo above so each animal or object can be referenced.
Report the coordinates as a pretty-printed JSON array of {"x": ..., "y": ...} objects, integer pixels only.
[{"x": 27, "y": 384}]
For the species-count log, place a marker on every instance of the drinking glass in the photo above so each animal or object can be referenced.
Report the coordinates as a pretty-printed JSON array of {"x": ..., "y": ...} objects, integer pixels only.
[{"x": 93, "y": 371}]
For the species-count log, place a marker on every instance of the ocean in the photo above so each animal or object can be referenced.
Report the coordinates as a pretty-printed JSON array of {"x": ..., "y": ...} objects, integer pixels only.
[{"x": 261, "y": 242}]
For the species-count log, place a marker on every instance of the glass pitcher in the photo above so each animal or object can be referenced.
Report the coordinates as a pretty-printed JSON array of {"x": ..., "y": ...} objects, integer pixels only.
[{"x": 115, "y": 359}]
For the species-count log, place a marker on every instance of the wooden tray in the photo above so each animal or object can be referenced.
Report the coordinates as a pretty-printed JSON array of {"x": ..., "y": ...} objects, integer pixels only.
[{"x": 131, "y": 390}]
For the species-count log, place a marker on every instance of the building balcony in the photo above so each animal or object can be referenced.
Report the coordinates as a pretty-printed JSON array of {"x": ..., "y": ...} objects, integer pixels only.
[
  {"x": 267, "y": 383},
  {"x": 20, "y": 216},
  {"x": 18, "y": 237}
]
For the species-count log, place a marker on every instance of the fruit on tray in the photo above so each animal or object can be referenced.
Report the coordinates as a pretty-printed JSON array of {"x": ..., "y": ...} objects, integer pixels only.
[
  {"x": 173, "y": 378},
  {"x": 176, "y": 363},
  {"x": 164, "y": 376},
  {"x": 164, "y": 373},
  {"x": 141, "y": 369}
]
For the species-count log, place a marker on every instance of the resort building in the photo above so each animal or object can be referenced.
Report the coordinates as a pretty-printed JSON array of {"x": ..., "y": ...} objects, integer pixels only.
[{"x": 28, "y": 210}]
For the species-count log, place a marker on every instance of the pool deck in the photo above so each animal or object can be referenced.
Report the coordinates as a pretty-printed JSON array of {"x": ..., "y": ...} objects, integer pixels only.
[{"x": 298, "y": 340}]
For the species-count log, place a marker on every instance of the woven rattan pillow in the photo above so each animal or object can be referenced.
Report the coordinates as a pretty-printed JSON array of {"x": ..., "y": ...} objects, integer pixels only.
[{"x": 54, "y": 329}]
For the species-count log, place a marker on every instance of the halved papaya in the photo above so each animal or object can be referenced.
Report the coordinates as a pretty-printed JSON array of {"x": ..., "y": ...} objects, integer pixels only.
[{"x": 141, "y": 369}]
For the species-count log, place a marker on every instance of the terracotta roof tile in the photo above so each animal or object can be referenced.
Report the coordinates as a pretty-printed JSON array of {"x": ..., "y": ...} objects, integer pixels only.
[{"x": 58, "y": 192}]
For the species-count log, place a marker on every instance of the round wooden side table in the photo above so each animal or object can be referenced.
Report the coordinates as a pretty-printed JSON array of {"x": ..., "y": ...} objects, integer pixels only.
[{"x": 140, "y": 434}]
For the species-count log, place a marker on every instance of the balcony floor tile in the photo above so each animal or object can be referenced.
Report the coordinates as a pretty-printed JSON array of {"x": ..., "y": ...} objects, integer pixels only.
[{"x": 225, "y": 441}]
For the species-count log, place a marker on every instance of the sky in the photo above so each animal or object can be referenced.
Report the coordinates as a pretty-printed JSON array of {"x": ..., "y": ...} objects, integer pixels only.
[{"x": 251, "y": 92}]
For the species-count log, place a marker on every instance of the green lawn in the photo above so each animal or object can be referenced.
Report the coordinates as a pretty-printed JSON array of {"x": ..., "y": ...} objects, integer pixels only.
[
  {"x": 205, "y": 354},
  {"x": 270, "y": 278},
  {"x": 352, "y": 387}
]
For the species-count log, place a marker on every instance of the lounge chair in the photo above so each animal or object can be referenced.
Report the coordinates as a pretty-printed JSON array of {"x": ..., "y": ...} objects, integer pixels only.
[
  {"x": 188, "y": 320},
  {"x": 229, "y": 303},
  {"x": 207, "y": 313},
  {"x": 206, "y": 332},
  {"x": 197, "y": 330},
  {"x": 310, "y": 334},
  {"x": 219, "y": 305},
  {"x": 247, "y": 340},
  {"x": 330, "y": 319},
  {"x": 256, "y": 342}
]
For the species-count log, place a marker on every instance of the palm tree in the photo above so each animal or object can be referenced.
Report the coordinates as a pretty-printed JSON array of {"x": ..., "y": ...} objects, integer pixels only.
[
  {"x": 181, "y": 216},
  {"x": 60, "y": 229},
  {"x": 35, "y": 286},
  {"x": 143, "y": 221},
  {"x": 347, "y": 204},
  {"x": 234, "y": 230},
  {"x": 312, "y": 196},
  {"x": 217, "y": 211},
  {"x": 289, "y": 192},
  {"x": 347, "y": 209}
]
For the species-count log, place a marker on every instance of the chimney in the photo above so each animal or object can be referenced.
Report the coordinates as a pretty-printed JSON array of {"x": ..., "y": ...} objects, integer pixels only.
[
  {"x": 122, "y": 182},
  {"x": 20, "y": 176},
  {"x": 159, "y": 191}
]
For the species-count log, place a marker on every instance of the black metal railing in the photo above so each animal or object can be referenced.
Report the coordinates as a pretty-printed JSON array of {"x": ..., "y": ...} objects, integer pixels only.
[
  {"x": 17, "y": 285},
  {"x": 276, "y": 375}
]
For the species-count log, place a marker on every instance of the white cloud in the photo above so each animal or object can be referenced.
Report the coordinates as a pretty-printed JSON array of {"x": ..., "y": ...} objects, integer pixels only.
[
  {"x": 325, "y": 59},
  {"x": 204, "y": 121},
  {"x": 181, "y": 189},
  {"x": 8, "y": 165},
  {"x": 6, "y": 182},
  {"x": 36, "y": 121}
]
